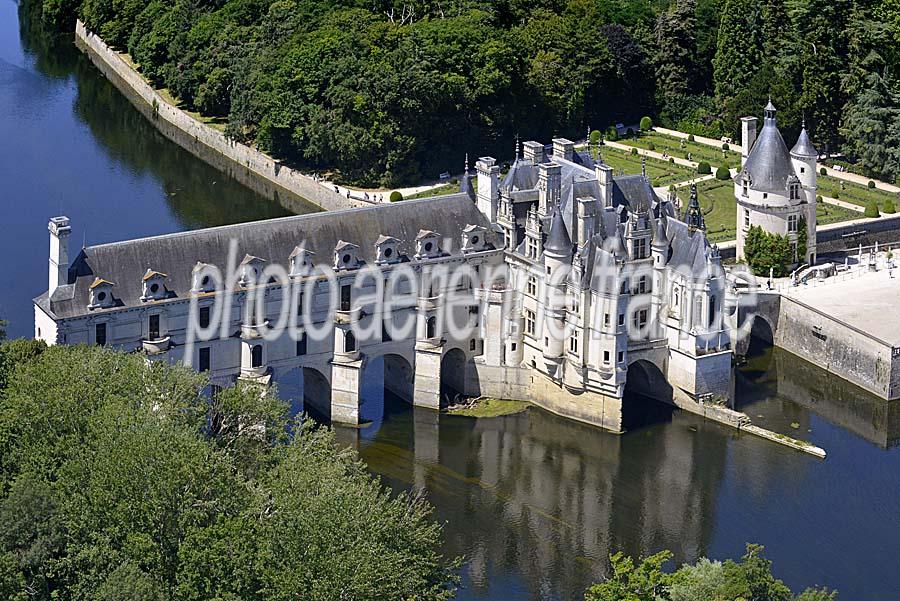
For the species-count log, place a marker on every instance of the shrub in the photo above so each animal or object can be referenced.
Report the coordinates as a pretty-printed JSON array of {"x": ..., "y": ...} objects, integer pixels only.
[
  {"x": 819, "y": 198},
  {"x": 871, "y": 185},
  {"x": 651, "y": 146},
  {"x": 823, "y": 171},
  {"x": 629, "y": 132},
  {"x": 764, "y": 251},
  {"x": 612, "y": 134},
  {"x": 889, "y": 206},
  {"x": 703, "y": 168},
  {"x": 595, "y": 137},
  {"x": 722, "y": 173},
  {"x": 671, "y": 159},
  {"x": 872, "y": 209},
  {"x": 396, "y": 196},
  {"x": 634, "y": 151},
  {"x": 725, "y": 146},
  {"x": 646, "y": 123},
  {"x": 691, "y": 138}
]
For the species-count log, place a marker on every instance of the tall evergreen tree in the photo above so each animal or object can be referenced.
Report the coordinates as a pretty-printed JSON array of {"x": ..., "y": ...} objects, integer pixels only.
[
  {"x": 872, "y": 128},
  {"x": 676, "y": 48},
  {"x": 738, "y": 48}
]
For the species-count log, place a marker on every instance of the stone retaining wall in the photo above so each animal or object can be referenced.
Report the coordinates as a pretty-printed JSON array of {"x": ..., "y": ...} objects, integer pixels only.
[{"x": 251, "y": 167}]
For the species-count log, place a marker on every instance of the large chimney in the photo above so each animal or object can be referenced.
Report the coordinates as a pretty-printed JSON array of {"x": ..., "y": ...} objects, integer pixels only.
[
  {"x": 488, "y": 187},
  {"x": 563, "y": 149},
  {"x": 534, "y": 152},
  {"x": 549, "y": 187},
  {"x": 59, "y": 252},
  {"x": 748, "y": 137}
]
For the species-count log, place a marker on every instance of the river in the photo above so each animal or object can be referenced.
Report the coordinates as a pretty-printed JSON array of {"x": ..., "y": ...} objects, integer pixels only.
[{"x": 533, "y": 502}]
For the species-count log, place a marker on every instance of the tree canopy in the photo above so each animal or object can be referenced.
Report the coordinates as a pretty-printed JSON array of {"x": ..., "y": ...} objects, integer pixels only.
[{"x": 121, "y": 480}]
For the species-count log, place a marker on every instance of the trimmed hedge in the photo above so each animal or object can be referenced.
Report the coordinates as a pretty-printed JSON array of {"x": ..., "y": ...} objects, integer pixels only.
[
  {"x": 872, "y": 209},
  {"x": 703, "y": 168},
  {"x": 611, "y": 134},
  {"x": 722, "y": 173},
  {"x": 595, "y": 137},
  {"x": 889, "y": 206},
  {"x": 396, "y": 196},
  {"x": 823, "y": 171},
  {"x": 871, "y": 185},
  {"x": 646, "y": 123}
]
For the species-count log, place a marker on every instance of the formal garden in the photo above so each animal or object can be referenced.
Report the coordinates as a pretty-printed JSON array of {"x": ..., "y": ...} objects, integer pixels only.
[
  {"x": 681, "y": 148},
  {"x": 661, "y": 173},
  {"x": 857, "y": 194}
]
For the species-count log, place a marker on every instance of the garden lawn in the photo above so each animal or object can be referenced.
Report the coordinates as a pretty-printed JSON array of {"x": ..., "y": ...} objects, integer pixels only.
[
  {"x": 720, "y": 209},
  {"x": 678, "y": 147},
  {"x": 439, "y": 191},
  {"x": 855, "y": 193},
  {"x": 661, "y": 173}
]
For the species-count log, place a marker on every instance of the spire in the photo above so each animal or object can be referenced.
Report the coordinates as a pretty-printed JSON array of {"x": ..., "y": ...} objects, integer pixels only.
[
  {"x": 770, "y": 111},
  {"x": 659, "y": 236},
  {"x": 693, "y": 217},
  {"x": 558, "y": 239},
  {"x": 804, "y": 148},
  {"x": 466, "y": 169},
  {"x": 516, "y": 151}
]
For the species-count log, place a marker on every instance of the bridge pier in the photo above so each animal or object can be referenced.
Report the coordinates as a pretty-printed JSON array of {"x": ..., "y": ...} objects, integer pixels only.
[
  {"x": 427, "y": 390},
  {"x": 346, "y": 374}
]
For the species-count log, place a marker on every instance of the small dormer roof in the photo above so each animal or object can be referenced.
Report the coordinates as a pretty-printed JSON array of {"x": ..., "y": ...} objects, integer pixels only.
[
  {"x": 299, "y": 250},
  {"x": 382, "y": 239},
  {"x": 200, "y": 266},
  {"x": 425, "y": 234},
  {"x": 248, "y": 259},
  {"x": 100, "y": 282},
  {"x": 342, "y": 244},
  {"x": 473, "y": 228},
  {"x": 153, "y": 274}
]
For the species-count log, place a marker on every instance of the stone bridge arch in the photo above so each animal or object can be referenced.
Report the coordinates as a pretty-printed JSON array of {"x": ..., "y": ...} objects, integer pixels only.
[{"x": 648, "y": 396}]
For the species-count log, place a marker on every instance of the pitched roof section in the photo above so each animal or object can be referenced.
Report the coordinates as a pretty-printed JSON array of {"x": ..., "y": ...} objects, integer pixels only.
[
  {"x": 558, "y": 239},
  {"x": 176, "y": 254},
  {"x": 769, "y": 163},
  {"x": 803, "y": 147}
]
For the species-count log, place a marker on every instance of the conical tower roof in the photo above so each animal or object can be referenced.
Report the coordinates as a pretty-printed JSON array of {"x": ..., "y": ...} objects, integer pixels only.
[
  {"x": 558, "y": 239},
  {"x": 803, "y": 147},
  {"x": 769, "y": 163}
]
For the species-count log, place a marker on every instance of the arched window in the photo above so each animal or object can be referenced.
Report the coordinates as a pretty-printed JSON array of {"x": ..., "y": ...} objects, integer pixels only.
[
  {"x": 431, "y": 327},
  {"x": 712, "y": 309},
  {"x": 349, "y": 342},
  {"x": 256, "y": 357}
]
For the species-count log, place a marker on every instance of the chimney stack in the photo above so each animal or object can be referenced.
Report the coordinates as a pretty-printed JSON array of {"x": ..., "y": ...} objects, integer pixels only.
[
  {"x": 748, "y": 137},
  {"x": 534, "y": 152},
  {"x": 59, "y": 252}
]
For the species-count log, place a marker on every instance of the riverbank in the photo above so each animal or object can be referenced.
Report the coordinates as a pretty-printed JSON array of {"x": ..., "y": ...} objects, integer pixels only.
[{"x": 247, "y": 165}]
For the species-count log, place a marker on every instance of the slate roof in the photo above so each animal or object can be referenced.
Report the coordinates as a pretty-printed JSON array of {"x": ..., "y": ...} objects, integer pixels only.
[
  {"x": 558, "y": 239},
  {"x": 769, "y": 163},
  {"x": 803, "y": 147},
  {"x": 124, "y": 263}
]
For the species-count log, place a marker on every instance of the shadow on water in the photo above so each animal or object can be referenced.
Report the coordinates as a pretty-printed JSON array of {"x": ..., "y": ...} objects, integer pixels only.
[{"x": 647, "y": 399}]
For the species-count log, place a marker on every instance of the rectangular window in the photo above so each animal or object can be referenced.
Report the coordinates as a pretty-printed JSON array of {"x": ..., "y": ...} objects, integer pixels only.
[
  {"x": 573, "y": 344},
  {"x": 472, "y": 345},
  {"x": 100, "y": 334},
  {"x": 385, "y": 330},
  {"x": 639, "y": 319},
  {"x": 746, "y": 218},
  {"x": 793, "y": 220},
  {"x": 204, "y": 317},
  {"x": 639, "y": 248},
  {"x": 531, "y": 286},
  {"x": 513, "y": 347},
  {"x": 621, "y": 319},
  {"x": 204, "y": 359},
  {"x": 624, "y": 288},
  {"x": 300, "y": 304},
  {"x": 606, "y": 356},
  {"x": 529, "y": 322},
  {"x": 345, "y": 297},
  {"x": 606, "y": 319},
  {"x": 153, "y": 333},
  {"x": 301, "y": 345},
  {"x": 621, "y": 356},
  {"x": 531, "y": 248}
]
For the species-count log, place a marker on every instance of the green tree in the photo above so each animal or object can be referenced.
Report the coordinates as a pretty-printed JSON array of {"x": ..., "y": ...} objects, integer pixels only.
[
  {"x": 739, "y": 47},
  {"x": 642, "y": 582},
  {"x": 764, "y": 251},
  {"x": 676, "y": 48},
  {"x": 870, "y": 128}
]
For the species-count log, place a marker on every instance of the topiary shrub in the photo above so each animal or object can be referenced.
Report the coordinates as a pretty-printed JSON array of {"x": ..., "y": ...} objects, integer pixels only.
[
  {"x": 819, "y": 198},
  {"x": 651, "y": 146},
  {"x": 646, "y": 123},
  {"x": 671, "y": 159},
  {"x": 872, "y": 209},
  {"x": 629, "y": 132},
  {"x": 690, "y": 137},
  {"x": 612, "y": 134},
  {"x": 823, "y": 171},
  {"x": 595, "y": 137},
  {"x": 725, "y": 146},
  {"x": 722, "y": 173},
  {"x": 889, "y": 206},
  {"x": 396, "y": 196},
  {"x": 634, "y": 151},
  {"x": 703, "y": 168},
  {"x": 871, "y": 185}
]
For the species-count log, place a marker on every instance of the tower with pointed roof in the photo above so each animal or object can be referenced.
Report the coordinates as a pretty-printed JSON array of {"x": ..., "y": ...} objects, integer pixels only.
[{"x": 775, "y": 188}]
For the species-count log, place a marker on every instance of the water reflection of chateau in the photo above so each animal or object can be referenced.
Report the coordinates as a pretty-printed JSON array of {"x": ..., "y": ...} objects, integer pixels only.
[{"x": 539, "y": 497}]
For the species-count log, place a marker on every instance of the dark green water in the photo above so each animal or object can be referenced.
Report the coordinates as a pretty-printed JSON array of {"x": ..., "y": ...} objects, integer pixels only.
[{"x": 534, "y": 502}]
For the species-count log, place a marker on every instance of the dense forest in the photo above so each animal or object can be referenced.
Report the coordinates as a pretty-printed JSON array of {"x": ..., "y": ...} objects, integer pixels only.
[
  {"x": 389, "y": 91},
  {"x": 121, "y": 481}
]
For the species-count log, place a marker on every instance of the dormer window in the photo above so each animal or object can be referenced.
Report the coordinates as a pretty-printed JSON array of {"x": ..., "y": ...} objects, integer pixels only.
[
  {"x": 204, "y": 278},
  {"x": 251, "y": 268},
  {"x": 386, "y": 250},
  {"x": 473, "y": 238},
  {"x": 301, "y": 261},
  {"x": 427, "y": 244},
  {"x": 346, "y": 255},
  {"x": 795, "y": 192},
  {"x": 153, "y": 286},
  {"x": 101, "y": 296}
]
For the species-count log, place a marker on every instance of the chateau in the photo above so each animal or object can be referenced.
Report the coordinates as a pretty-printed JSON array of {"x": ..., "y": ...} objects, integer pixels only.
[
  {"x": 556, "y": 282},
  {"x": 776, "y": 189}
]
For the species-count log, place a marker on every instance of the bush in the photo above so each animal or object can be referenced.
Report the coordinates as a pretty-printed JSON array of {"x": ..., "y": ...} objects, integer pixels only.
[
  {"x": 691, "y": 138},
  {"x": 671, "y": 159},
  {"x": 722, "y": 173},
  {"x": 703, "y": 168},
  {"x": 595, "y": 137},
  {"x": 634, "y": 151},
  {"x": 396, "y": 196},
  {"x": 823, "y": 171},
  {"x": 872, "y": 209},
  {"x": 819, "y": 198},
  {"x": 764, "y": 251},
  {"x": 629, "y": 132},
  {"x": 612, "y": 134},
  {"x": 889, "y": 206},
  {"x": 646, "y": 123},
  {"x": 871, "y": 185},
  {"x": 651, "y": 146},
  {"x": 725, "y": 146}
]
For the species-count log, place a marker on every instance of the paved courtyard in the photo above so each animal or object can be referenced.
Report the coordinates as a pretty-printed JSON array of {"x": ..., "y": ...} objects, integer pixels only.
[{"x": 870, "y": 301}]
